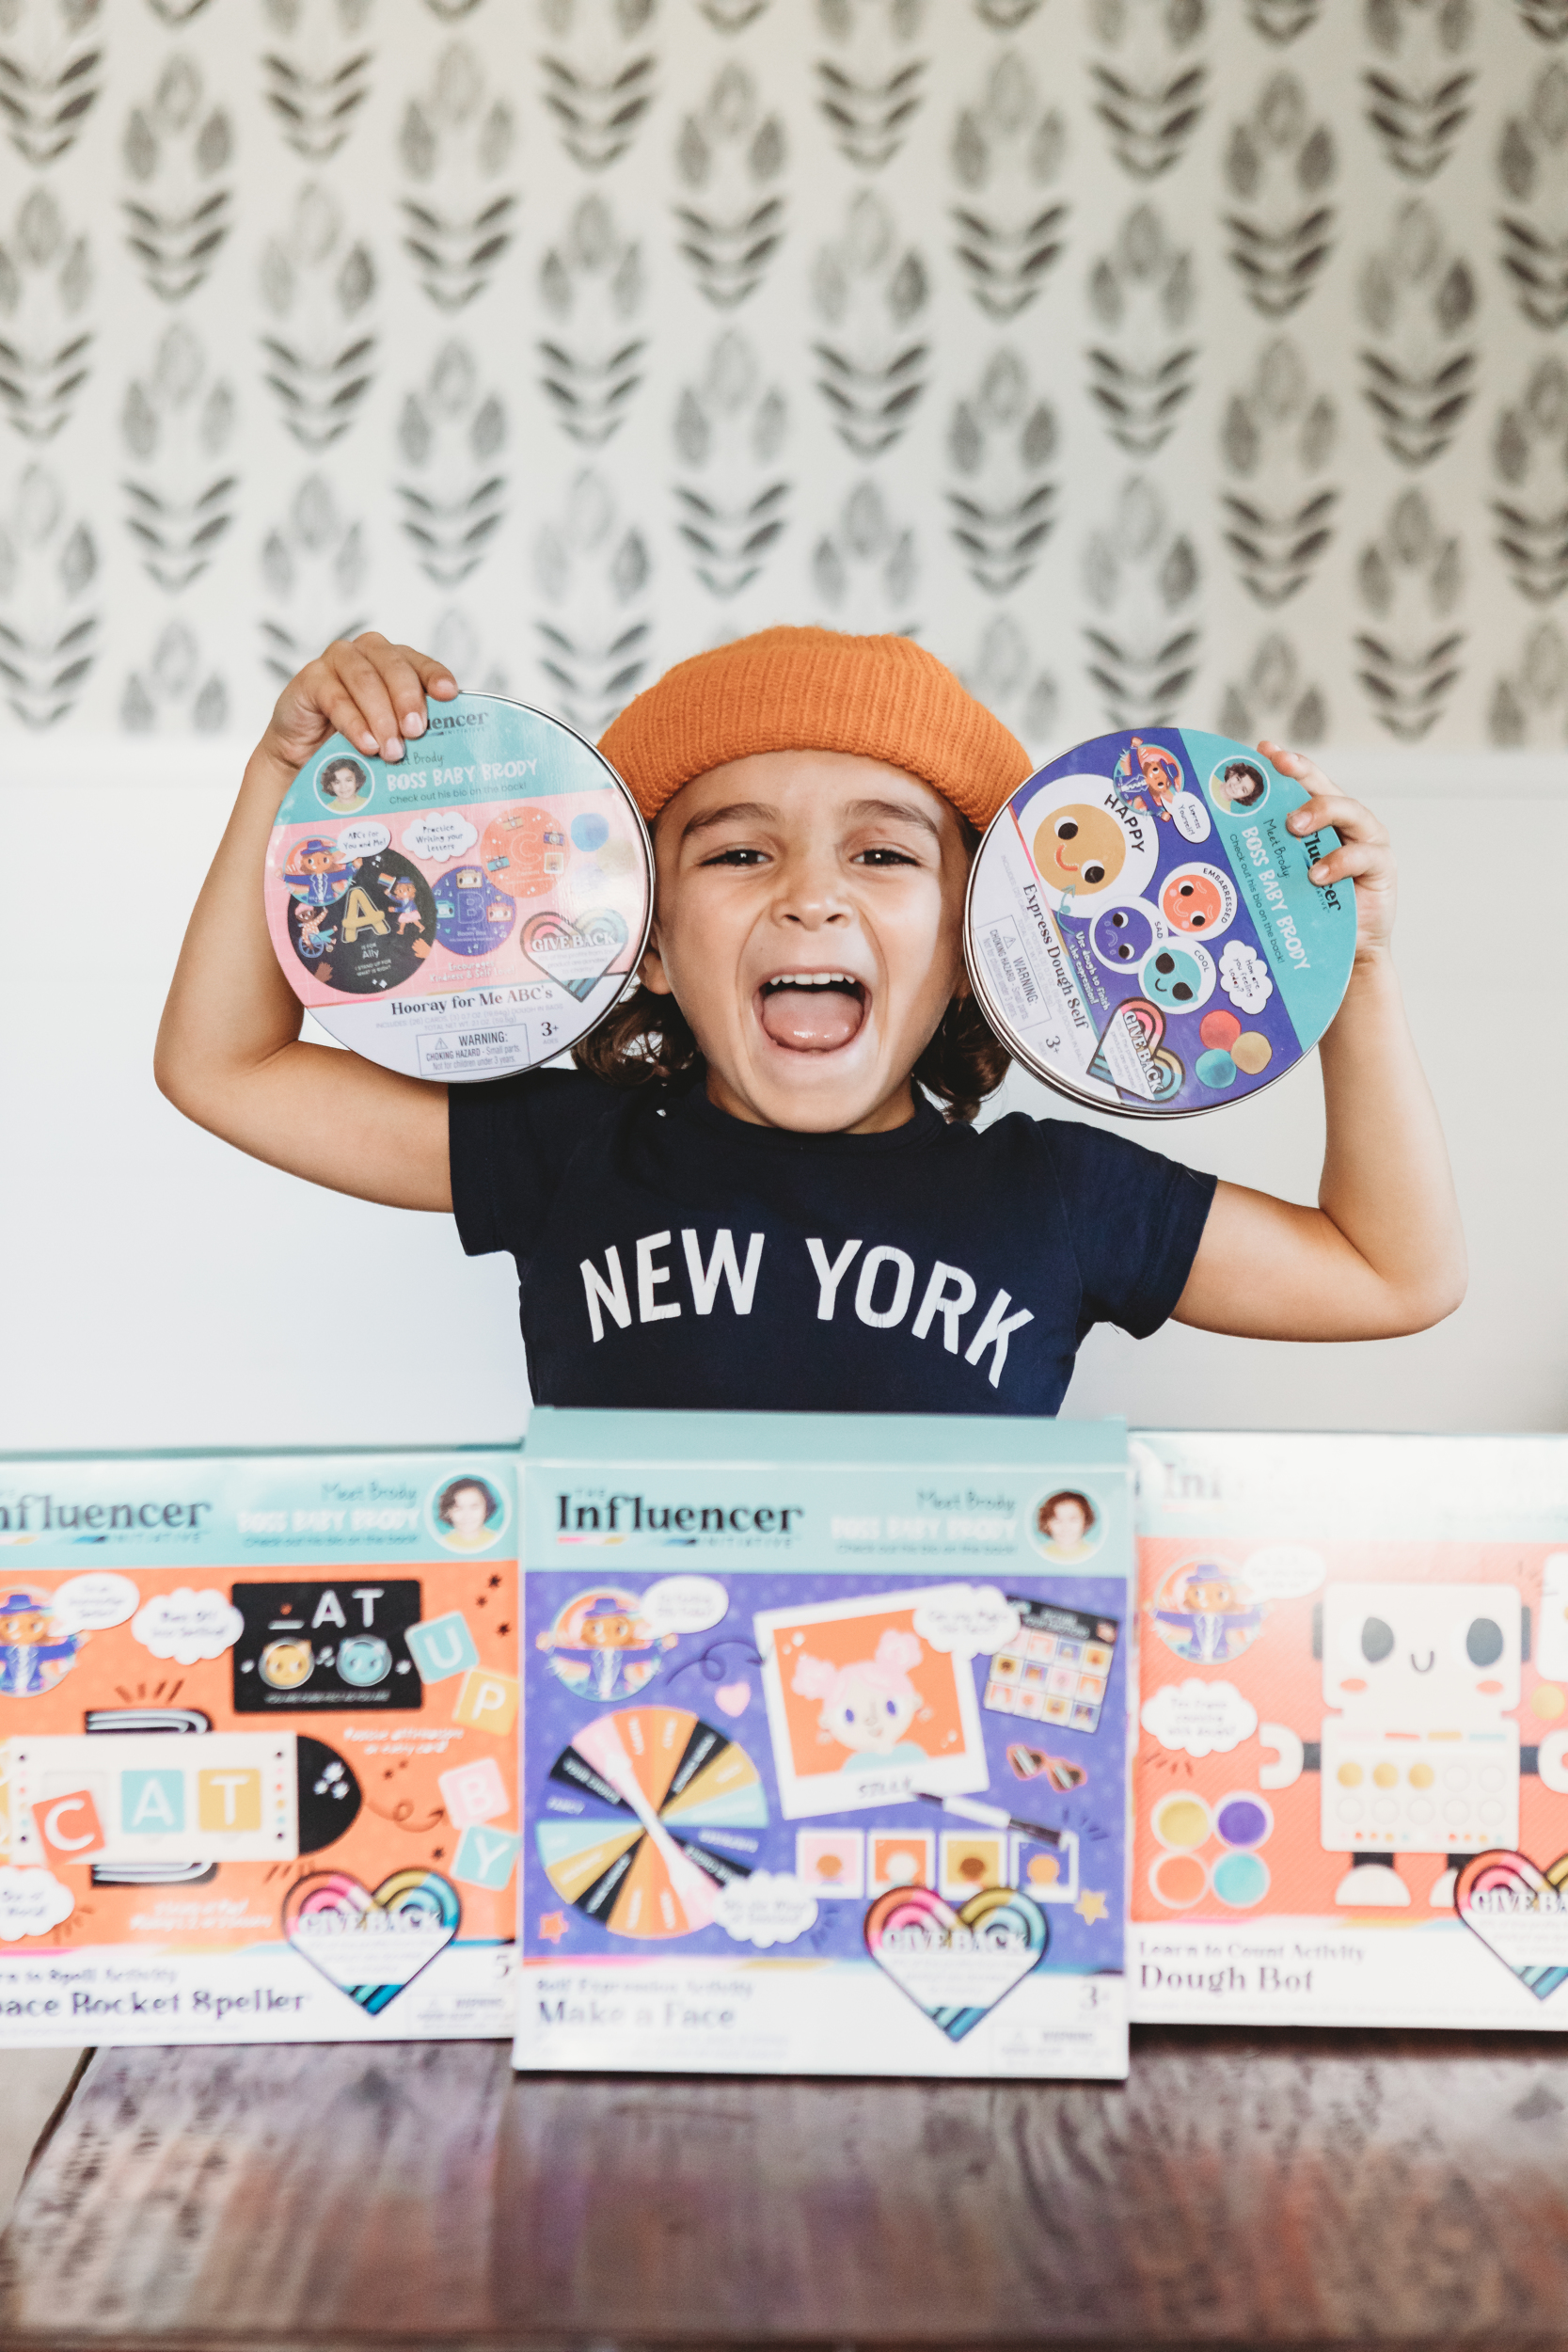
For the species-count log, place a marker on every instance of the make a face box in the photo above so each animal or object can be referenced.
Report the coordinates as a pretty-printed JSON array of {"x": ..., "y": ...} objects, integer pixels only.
[
  {"x": 257, "y": 1747},
  {"x": 825, "y": 1745},
  {"x": 1350, "y": 1796}
]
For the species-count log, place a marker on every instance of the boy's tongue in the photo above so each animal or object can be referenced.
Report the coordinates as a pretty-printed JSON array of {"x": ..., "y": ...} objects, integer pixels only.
[{"x": 812, "y": 1020}]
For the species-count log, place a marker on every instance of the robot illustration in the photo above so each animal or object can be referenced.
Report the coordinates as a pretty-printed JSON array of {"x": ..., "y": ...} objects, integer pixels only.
[
  {"x": 1159, "y": 775},
  {"x": 593, "y": 1641},
  {"x": 1421, "y": 1755}
]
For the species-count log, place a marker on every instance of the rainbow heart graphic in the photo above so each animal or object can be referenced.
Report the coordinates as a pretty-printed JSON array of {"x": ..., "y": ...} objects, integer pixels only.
[
  {"x": 1520, "y": 1912},
  {"x": 576, "y": 955},
  {"x": 371, "y": 1942},
  {"x": 956, "y": 1965}
]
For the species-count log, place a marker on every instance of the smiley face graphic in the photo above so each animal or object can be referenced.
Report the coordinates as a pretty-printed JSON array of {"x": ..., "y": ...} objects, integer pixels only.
[
  {"x": 1080, "y": 850},
  {"x": 1191, "y": 902},
  {"x": 1174, "y": 977},
  {"x": 1122, "y": 936}
]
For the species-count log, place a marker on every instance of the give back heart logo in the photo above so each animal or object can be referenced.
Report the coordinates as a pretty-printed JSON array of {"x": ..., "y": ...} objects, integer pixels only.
[
  {"x": 371, "y": 1943},
  {"x": 956, "y": 1965},
  {"x": 1520, "y": 1913},
  {"x": 576, "y": 955}
]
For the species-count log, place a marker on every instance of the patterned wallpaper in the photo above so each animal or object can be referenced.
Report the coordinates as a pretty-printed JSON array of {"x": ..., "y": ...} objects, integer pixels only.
[{"x": 1147, "y": 358}]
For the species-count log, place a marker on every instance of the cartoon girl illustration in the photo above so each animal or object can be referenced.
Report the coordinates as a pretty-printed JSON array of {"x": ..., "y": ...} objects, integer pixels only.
[
  {"x": 317, "y": 872},
  {"x": 30, "y": 1663},
  {"x": 405, "y": 896},
  {"x": 466, "y": 1509},
  {"x": 1160, "y": 774},
  {"x": 1205, "y": 1613},
  {"x": 343, "y": 785},
  {"x": 869, "y": 1705}
]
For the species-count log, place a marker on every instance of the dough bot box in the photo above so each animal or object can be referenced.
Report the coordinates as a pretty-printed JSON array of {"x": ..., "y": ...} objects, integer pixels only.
[
  {"x": 825, "y": 1745},
  {"x": 1352, "y": 1777},
  {"x": 257, "y": 1747}
]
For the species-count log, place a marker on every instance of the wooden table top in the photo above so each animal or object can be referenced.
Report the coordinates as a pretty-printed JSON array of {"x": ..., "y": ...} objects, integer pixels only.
[{"x": 1243, "y": 2189}]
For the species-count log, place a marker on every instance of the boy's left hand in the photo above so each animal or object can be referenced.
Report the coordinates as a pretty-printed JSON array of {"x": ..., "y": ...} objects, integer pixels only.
[{"x": 1366, "y": 854}]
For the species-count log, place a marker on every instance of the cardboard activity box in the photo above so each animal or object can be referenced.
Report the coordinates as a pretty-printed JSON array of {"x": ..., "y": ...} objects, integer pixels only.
[
  {"x": 825, "y": 1745},
  {"x": 257, "y": 1747},
  {"x": 1351, "y": 1793}
]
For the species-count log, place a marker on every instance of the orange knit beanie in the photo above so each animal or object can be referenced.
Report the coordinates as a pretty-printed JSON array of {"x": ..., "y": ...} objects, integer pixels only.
[{"x": 801, "y": 689}]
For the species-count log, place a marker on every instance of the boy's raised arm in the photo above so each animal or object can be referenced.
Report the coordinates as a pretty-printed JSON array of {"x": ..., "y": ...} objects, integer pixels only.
[
  {"x": 1382, "y": 1253},
  {"x": 229, "y": 1053}
]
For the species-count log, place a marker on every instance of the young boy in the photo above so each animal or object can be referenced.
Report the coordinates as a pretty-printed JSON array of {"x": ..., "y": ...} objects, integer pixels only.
[{"x": 743, "y": 1196}]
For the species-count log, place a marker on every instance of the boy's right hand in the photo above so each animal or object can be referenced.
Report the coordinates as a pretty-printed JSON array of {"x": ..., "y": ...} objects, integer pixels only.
[{"x": 371, "y": 691}]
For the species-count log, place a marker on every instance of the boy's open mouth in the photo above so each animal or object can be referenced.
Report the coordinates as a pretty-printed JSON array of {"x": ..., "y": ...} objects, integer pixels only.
[{"x": 812, "y": 1013}]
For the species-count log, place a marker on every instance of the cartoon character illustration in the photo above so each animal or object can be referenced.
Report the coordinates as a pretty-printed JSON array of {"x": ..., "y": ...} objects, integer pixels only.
[
  {"x": 405, "y": 896},
  {"x": 1205, "y": 1613},
  {"x": 1159, "y": 775},
  {"x": 606, "y": 1626},
  {"x": 344, "y": 786},
  {"x": 30, "y": 1661},
  {"x": 869, "y": 1705},
  {"x": 466, "y": 1509},
  {"x": 1080, "y": 850},
  {"x": 313, "y": 941},
  {"x": 1063, "y": 1525},
  {"x": 317, "y": 871}
]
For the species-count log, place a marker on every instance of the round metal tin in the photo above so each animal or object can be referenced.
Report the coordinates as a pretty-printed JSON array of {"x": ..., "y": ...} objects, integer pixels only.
[
  {"x": 470, "y": 910},
  {"x": 1140, "y": 929}
]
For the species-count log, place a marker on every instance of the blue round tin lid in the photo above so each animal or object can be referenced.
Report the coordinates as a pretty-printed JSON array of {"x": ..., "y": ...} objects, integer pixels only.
[
  {"x": 1140, "y": 929},
  {"x": 472, "y": 910}
]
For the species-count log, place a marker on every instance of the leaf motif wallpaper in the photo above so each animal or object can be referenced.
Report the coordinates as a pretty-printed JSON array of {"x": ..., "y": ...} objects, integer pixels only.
[{"x": 1147, "y": 358}]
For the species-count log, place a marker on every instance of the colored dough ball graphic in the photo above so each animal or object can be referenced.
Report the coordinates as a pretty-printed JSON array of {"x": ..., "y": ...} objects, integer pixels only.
[
  {"x": 1252, "y": 1051},
  {"x": 1191, "y": 902},
  {"x": 1220, "y": 1030},
  {"x": 1080, "y": 848}
]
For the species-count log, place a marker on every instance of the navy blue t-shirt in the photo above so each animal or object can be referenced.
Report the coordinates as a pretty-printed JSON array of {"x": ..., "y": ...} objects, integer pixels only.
[{"x": 671, "y": 1255}]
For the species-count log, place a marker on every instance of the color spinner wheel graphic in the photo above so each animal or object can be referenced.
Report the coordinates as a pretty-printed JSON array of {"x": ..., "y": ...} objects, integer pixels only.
[
  {"x": 657, "y": 1778},
  {"x": 1141, "y": 928},
  {"x": 470, "y": 911}
]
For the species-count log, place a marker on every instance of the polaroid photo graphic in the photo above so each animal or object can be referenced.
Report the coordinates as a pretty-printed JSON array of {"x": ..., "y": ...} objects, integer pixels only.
[{"x": 862, "y": 1710}]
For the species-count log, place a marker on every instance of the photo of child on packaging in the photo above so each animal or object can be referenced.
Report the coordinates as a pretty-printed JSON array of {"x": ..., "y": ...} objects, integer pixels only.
[{"x": 763, "y": 1183}]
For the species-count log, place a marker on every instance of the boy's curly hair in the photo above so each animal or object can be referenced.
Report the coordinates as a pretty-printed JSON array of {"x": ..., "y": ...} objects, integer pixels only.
[{"x": 648, "y": 1041}]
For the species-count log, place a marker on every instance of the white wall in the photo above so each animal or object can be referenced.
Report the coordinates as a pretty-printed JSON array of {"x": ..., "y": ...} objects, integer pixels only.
[{"x": 157, "y": 1289}]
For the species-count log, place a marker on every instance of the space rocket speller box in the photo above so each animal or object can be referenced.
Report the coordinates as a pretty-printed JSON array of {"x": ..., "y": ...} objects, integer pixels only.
[
  {"x": 1351, "y": 1784},
  {"x": 257, "y": 1747}
]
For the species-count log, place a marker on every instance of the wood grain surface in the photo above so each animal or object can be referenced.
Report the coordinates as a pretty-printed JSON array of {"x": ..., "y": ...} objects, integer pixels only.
[{"x": 1242, "y": 2190}]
